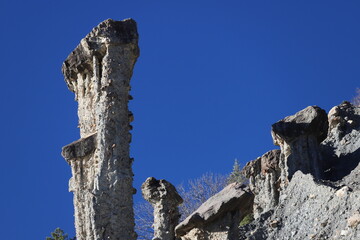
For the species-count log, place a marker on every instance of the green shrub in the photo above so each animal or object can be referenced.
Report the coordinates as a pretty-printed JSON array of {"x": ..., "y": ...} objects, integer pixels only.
[{"x": 247, "y": 219}]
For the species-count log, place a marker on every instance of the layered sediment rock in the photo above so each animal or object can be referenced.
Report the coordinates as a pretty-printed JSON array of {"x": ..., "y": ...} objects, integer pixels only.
[
  {"x": 219, "y": 217},
  {"x": 165, "y": 199},
  {"x": 98, "y": 71},
  {"x": 264, "y": 181}
]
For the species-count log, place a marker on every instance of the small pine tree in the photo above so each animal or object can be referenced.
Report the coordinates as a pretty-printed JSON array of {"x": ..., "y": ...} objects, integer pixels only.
[
  {"x": 58, "y": 234},
  {"x": 236, "y": 174}
]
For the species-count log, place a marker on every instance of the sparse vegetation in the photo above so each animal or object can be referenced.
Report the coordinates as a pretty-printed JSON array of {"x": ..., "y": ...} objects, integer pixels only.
[
  {"x": 58, "y": 234},
  {"x": 236, "y": 174},
  {"x": 194, "y": 193},
  {"x": 247, "y": 219}
]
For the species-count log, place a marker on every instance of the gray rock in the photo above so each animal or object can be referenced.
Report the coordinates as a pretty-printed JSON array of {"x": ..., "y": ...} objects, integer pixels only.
[
  {"x": 299, "y": 138},
  {"x": 323, "y": 204},
  {"x": 79, "y": 149},
  {"x": 264, "y": 181},
  {"x": 98, "y": 71},
  {"x": 316, "y": 211},
  {"x": 219, "y": 216},
  {"x": 341, "y": 148},
  {"x": 165, "y": 199}
]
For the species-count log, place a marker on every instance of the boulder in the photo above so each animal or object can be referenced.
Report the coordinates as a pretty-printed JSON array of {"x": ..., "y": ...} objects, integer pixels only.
[{"x": 220, "y": 214}]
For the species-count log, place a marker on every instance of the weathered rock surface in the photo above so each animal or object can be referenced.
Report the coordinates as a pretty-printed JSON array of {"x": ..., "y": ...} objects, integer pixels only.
[
  {"x": 264, "y": 181},
  {"x": 165, "y": 199},
  {"x": 98, "y": 71},
  {"x": 219, "y": 216},
  {"x": 309, "y": 209},
  {"x": 341, "y": 148},
  {"x": 299, "y": 138},
  {"x": 321, "y": 200}
]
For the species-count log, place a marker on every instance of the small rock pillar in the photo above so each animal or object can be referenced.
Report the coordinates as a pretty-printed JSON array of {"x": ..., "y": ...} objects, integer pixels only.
[
  {"x": 299, "y": 138},
  {"x": 98, "y": 71},
  {"x": 165, "y": 199}
]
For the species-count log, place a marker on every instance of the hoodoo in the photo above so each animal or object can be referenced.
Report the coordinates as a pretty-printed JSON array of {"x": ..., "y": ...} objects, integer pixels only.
[{"x": 98, "y": 71}]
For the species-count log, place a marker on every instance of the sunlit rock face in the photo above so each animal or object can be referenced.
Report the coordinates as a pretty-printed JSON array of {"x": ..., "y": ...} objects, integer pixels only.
[
  {"x": 264, "y": 181},
  {"x": 320, "y": 171},
  {"x": 218, "y": 218},
  {"x": 165, "y": 199},
  {"x": 98, "y": 71}
]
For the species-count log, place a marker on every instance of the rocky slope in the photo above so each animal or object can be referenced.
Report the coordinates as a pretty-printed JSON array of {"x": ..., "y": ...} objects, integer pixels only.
[
  {"x": 314, "y": 191},
  {"x": 309, "y": 189}
]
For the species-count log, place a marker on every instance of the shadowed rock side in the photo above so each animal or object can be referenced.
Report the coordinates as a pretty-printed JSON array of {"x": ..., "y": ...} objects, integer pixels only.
[
  {"x": 309, "y": 189},
  {"x": 341, "y": 148},
  {"x": 165, "y": 199},
  {"x": 299, "y": 138},
  {"x": 264, "y": 181},
  {"x": 219, "y": 217},
  {"x": 98, "y": 71},
  {"x": 319, "y": 198}
]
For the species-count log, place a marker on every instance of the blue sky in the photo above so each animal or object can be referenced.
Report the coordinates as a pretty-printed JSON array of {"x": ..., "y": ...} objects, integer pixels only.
[{"x": 211, "y": 79}]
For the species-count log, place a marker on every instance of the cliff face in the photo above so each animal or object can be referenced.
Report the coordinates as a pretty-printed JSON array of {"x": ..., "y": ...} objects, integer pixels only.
[
  {"x": 309, "y": 189},
  {"x": 318, "y": 188}
]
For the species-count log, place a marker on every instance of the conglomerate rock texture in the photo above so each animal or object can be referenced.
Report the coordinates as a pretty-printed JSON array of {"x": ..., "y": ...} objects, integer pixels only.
[
  {"x": 98, "y": 71},
  {"x": 165, "y": 199},
  {"x": 320, "y": 199},
  {"x": 341, "y": 148}
]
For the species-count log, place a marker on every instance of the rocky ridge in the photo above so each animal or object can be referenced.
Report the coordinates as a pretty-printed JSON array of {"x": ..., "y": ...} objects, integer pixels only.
[
  {"x": 309, "y": 189},
  {"x": 319, "y": 193}
]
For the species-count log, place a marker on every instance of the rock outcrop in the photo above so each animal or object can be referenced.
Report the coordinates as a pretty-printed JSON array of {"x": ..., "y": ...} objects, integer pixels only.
[
  {"x": 219, "y": 217},
  {"x": 98, "y": 71},
  {"x": 264, "y": 181},
  {"x": 309, "y": 189},
  {"x": 299, "y": 138},
  {"x": 319, "y": 198},
  {"x": 165, "y": 199},
  {"x": 309, "y": 209},
  {"x": 341, "y": 148}
]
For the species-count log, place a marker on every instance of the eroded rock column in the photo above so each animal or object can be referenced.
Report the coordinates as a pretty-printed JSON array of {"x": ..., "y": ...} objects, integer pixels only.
[
  {"x": 299, "y": 138},
  {"x": 98, "y": 71},
  {"x": 165, "y": 199}
]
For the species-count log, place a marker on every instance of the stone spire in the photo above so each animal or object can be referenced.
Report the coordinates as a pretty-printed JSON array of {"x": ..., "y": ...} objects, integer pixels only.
[
  {"x": 98, "y": 71},
  {"x": 165, "y": 199}
]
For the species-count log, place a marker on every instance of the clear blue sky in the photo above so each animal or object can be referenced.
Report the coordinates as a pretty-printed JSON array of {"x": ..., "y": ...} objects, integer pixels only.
[{"x": 211, "y": 79}]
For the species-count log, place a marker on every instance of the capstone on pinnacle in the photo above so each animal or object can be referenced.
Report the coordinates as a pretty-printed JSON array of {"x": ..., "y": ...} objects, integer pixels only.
[
  {"x": 165, "y": 199},
  {"x": 98, "y": 71}
]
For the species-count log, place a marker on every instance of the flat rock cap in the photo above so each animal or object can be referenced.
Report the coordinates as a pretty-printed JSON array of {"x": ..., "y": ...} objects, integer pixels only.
[{"x": 309, "y": 121}]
